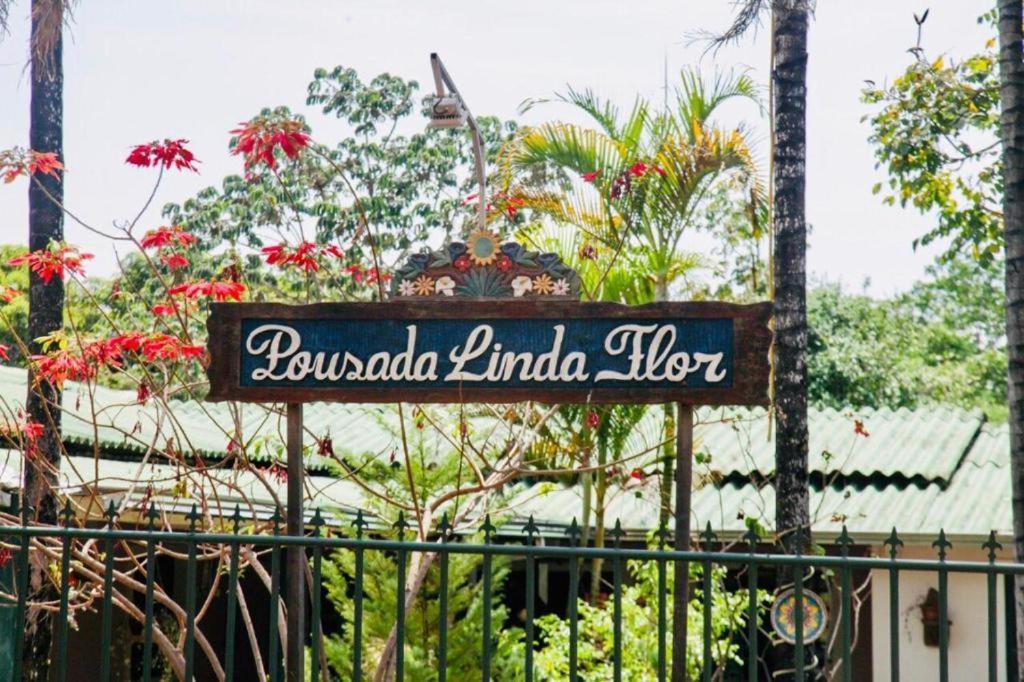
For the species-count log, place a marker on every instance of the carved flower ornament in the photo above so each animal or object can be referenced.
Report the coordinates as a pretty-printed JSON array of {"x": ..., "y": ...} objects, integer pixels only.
[{"x": 485, "y": 267}]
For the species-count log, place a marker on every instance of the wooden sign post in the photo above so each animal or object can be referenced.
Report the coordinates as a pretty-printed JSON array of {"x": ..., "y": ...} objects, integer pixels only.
[{"x": 517, "y": 332}]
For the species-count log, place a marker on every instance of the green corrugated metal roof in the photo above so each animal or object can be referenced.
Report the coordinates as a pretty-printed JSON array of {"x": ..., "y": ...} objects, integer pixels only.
[
  {"x": 976, "y": 501},
  {"x": 927, "y": 443},
  {"x": 919, "y": 470}
]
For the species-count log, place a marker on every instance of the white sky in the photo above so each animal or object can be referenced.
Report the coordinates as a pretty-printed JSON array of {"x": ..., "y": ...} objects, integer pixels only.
[{"x": 136, "y": 71}]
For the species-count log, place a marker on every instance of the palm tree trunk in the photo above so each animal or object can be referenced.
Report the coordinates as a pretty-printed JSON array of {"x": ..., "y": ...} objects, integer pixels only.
[
  {"x": 46, "y": 304},
  {"x": 789, "y": 168},
  {"x": 1011, "y": 69}
]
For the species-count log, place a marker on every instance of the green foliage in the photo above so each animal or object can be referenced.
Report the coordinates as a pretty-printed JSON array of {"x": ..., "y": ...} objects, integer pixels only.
[
  {"x": 642, "y": 180},
  {"x": 465, "y": 612},
  {"x": 936, "y": 134},
  {"x": 407, "y": 187},
  {"x": 941, "y": 342},
  {"x": 640, "y": 629}
]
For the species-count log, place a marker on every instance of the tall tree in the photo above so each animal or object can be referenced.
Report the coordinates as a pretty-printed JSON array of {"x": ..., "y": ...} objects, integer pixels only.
[
  {"x": 789, "y": 179},
  {"x": 789, "y": 172},
  {"x": 1011, "y": 71},
  {"x": 46, "y": 304}
]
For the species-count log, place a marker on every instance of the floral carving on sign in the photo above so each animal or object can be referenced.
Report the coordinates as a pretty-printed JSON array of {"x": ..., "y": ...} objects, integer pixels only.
[{"x": 485, "y": 267}]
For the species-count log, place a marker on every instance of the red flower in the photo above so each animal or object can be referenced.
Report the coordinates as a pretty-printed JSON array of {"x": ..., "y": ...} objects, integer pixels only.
[
  {"x": 504, "y": 263},
  {"x": 305, "y": 256},
  {"x": 169, "y": 153},
  {"x": 513, "y": 205},
  {"x": 366, "y": 275},
  {"x": 3, "y": 351},
  {"x": 591, "y": 176},
  {"x": 325, "y": 447},
  {"x": 858, "y": 428},
  {"x": 167, "y": 347},
  {"x": 638, "y": 474},
  {"x": 168, "y": 236},
  {"x": 174, "y": 261},
  {"x": 638, "y": 169},
  {"x": 593, "y": 419},
  {"x": 46, "y": 163},
  {"x": 277, "y": 472},
  {"x": 218, "y": 291},
  {"x": 588, "y": 252},
  {"x": 9, "y": 294},
  {"x": 57, "y": 261},
  {"x": 5, "y": 556},
  {"x": 143, "y": 393},
  {"x": 660, "y": 171},
  {"x": 15, "y": 163},
  {"x": 462, "y": 263},
  {"x": 163, "y": 309},
  {"x": 63, "y": 365},
  {"x": 260, "y": 137}
]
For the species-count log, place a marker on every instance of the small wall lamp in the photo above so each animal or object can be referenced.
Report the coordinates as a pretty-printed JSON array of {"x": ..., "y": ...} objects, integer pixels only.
[{"x": 930, "y": 617}]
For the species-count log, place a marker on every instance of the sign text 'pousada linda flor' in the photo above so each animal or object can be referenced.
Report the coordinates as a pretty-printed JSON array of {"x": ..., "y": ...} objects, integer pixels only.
[{"x": 431, "y": 348}]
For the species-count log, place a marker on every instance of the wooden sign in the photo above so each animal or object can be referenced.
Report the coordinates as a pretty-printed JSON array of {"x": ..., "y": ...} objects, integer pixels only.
[{"x": 497, "y": 351}]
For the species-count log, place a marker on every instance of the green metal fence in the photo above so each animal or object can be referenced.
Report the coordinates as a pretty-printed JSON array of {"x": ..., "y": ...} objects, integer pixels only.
[{"x": 58, "y": 546}]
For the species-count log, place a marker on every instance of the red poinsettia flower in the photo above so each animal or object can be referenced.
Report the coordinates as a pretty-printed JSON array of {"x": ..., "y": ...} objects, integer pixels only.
[
  {"x": 858, "y": 428},
  {"x": 362, "y": 275},
  {"x": 660, "y": 171},
  {"x": 16, "y": 162},
  {"x": 218, "y": 291},
  {"x": 46, "y": 163},
  {"x": 305, "y": 256},
  {"x": 57, "y": 261},
  {"x": 512, "y": 206},
  {"x": 638, "y": 169},
  {"x": 259, "y": 138},
  {"x": 9, "y": 294},
  {"x": 167, "y": 347},
  {"x": 143, "y": 392},
  {"x": 169, "y": 154},
  {"x": 591, "y": 176},
  {"x": 164, "y": 309},
  {"x": 174, "y": 261},
  {"x": 4, "y": 348},
  {"x": 168, "y": 236}
]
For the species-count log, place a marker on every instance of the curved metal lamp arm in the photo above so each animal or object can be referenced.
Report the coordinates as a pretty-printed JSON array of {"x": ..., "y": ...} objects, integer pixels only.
[{"x": 441, "y": 80}]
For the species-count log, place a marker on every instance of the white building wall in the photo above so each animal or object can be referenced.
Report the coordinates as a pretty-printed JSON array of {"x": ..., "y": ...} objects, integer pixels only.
[{"x": 968, "y": 634}]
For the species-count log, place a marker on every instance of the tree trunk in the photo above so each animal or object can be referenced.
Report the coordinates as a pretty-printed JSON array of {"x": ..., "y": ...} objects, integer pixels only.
[
  {"x": 1011, "y": 70},
  {"x": 789, "y": 168},
  {"x": 46, "y": 304}
]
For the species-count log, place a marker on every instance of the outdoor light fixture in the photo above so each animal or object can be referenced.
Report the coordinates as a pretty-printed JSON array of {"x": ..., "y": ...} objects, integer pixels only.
[
  {"x": 449, "y": 110},
  {"x": 930, "y": 617}
]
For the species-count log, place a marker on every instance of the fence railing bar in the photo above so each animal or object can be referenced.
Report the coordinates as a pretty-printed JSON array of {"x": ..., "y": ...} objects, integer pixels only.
[
  {"x": 400, "y": 605},
  {"x": 573, "y": 605},
  {"x": 315, "y": 633},
  {"x": 190, "y": 599},
  {"x": 663, "y": 535},
  {"x": 617, "y": 606},
  {"x": 357, "y": 605},
  {"x": 232, "y": 605},
  {"x": 148, "y": 624},
  {"x": 531, "y": 568},
  {"x": 108, "y": 597},
  {"x": 488, "y": 597},
  {"x": 798, "y": 621},
  {"x": 442, "y": 614},
  {"x": 274, "y": 658},
  {"x": 65, "y": 593}
]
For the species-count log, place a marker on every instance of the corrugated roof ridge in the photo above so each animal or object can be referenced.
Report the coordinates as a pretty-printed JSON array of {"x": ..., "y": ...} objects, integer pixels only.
[{"x": 901, "y": 412}]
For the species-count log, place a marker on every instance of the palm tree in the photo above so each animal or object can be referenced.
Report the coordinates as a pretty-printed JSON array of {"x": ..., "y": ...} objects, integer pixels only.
[
  {"x": 46, "y": 303},
  {"x": 648, "y": 173},
  {"x": 1011, "y": 69},
  {"x": 789, "y": 173}
]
